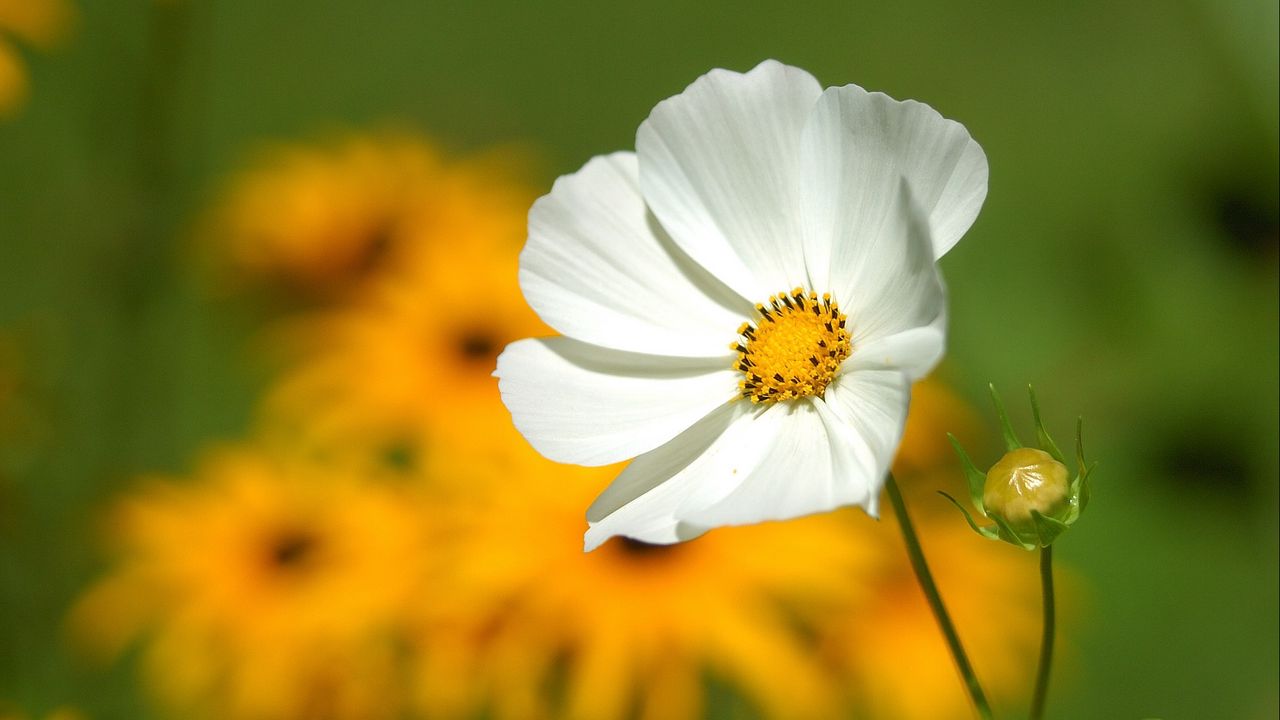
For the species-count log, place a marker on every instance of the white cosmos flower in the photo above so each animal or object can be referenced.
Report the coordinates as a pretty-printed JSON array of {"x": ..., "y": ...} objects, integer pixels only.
[{"x": 744, "y": 301}]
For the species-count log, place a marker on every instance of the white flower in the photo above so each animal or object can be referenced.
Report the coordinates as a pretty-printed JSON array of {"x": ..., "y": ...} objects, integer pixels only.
[{"x": 745, "y": 301}]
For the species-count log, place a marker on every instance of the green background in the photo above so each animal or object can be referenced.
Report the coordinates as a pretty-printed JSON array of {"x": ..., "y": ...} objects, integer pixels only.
[{"x": 1125, "y": 263}]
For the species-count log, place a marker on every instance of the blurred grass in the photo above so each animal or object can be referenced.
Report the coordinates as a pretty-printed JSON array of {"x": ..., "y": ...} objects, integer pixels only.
[{"x": 1125, "y": 263}]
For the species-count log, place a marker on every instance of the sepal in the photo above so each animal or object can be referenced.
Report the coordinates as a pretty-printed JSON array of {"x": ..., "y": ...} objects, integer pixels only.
[
  {"x": 985, "y": 531},
  {"x": 1011, "y": 441},
  {"x": 975, "y": 477}
]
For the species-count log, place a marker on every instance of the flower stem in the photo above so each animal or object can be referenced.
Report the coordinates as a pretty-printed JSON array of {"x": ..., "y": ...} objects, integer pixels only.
[
  {"x": 1046, "y": 640},
  {"x": 925, "y": 578}
]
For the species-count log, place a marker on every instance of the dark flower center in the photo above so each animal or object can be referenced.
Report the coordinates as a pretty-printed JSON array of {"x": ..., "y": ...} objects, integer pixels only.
[
  {"x": 372, "y": 255},
  {"x": 477, "y": 345},
  {"x": 292, "y": 549},
  {"x": 642, "y": 550}
]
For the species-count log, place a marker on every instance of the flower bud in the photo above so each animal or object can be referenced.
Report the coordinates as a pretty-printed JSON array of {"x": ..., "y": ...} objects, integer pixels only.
[{"x": 1026, "y": 479}]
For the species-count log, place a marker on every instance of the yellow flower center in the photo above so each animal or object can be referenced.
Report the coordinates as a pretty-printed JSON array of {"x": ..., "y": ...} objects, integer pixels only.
[{"x": 794, "y": 349}]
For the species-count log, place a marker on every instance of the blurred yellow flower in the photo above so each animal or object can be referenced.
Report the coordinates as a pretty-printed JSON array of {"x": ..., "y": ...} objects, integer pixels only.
[
  {"x": 13, "y": 80},
  {"x": 326, "y": 221},
  {"x": 411, "y": 359},
  {"x": 42, "y": 23},
  {"x": 39, "y": 23},
  {"x": 935, "y": 411},
  {"x": 265, "y": 588},
  {"x": 533, "y": 627},
  {"x": 892, "y": 655}
]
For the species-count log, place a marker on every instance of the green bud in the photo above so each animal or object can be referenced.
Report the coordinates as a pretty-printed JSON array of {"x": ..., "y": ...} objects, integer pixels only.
[
  {"x": 1029, "y": 493},
  {"x": 1023, "y": 480}
]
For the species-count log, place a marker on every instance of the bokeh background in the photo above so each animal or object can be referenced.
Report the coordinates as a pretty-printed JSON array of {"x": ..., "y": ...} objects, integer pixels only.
[{"x": 256, "y": 259}]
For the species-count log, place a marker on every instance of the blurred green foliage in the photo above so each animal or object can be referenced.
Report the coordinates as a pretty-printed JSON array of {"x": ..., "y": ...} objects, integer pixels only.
[{"x": 1125, "y": 264}]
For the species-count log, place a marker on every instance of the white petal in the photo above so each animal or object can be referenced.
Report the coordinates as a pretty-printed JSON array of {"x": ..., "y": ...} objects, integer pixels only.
[
  {"x": 702, "y": 464},
  {"x": 795, "y": 476},
  {"x": 871, "y": 408},
  {"x": 852, "y": 461},
  {"x": 858, "y": 144},
  {"x": 599, "y": 268},
  {"x": 883, "y": 272},
  {"x": 719, "y": 167},
  {"x": 588, "y": 405},
  {"x": 742, "y": 464},
  {"x": 913, "y": 352}
]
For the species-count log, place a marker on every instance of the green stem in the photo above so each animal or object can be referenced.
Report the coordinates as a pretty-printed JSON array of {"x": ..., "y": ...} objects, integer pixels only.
[
  {"x": 1046, "y": 640},
  {"x": 925, "y": 578}
]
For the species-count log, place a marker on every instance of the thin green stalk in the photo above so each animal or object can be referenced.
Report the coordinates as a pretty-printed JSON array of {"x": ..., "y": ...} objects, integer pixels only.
[
  {"x": 1046, "y": 640},
  {"x": 925, "y": 578}
]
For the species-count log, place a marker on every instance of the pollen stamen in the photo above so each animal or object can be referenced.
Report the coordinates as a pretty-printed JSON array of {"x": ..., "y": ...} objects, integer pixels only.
[{"x": 794, "y": 349}]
